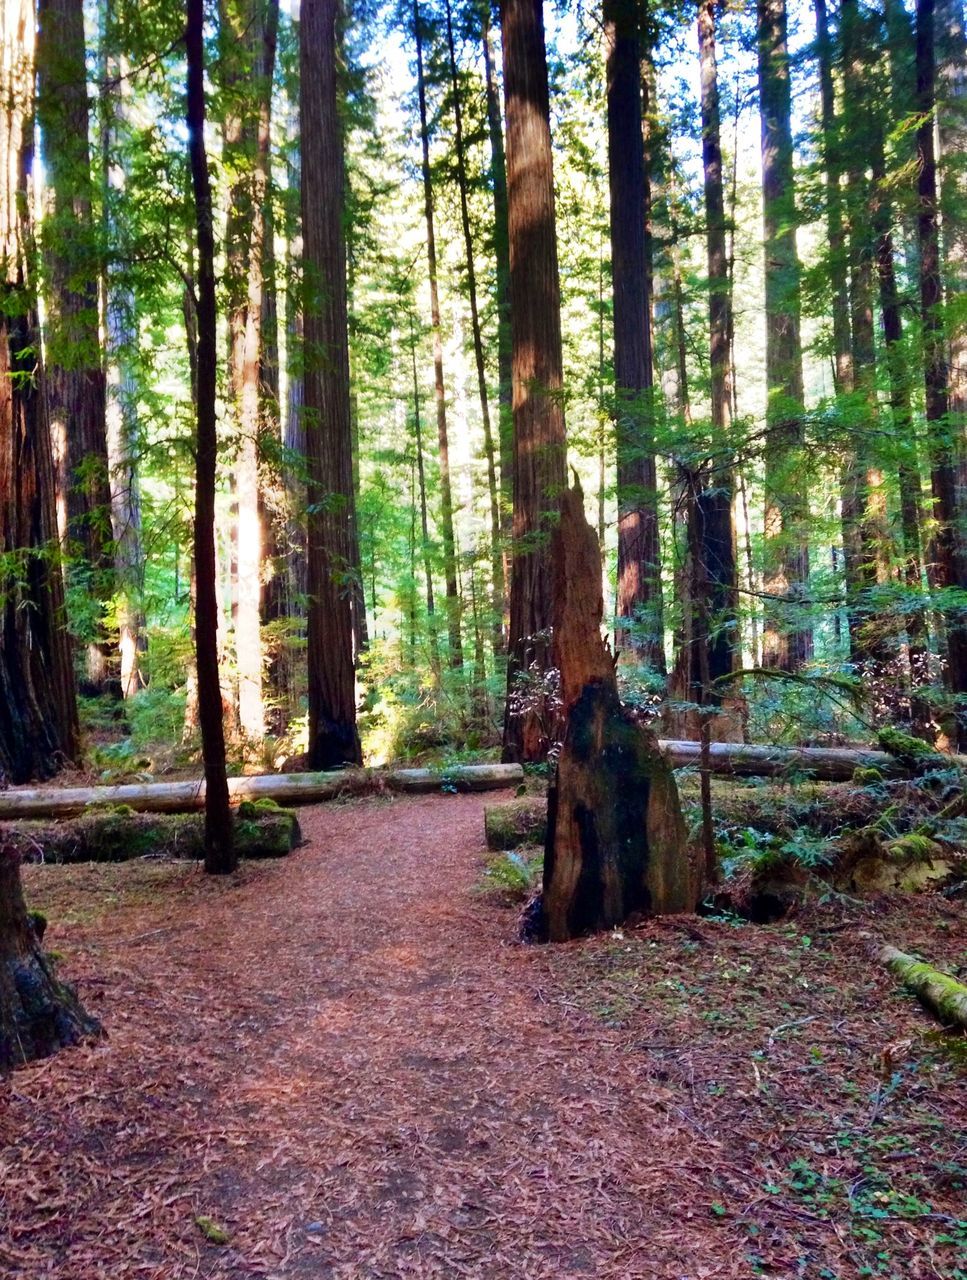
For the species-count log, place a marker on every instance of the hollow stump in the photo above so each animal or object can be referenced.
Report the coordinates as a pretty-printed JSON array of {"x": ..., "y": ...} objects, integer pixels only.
[
  {"x": 38, "y": 1013},
  {"x": 616, "y": 839}
]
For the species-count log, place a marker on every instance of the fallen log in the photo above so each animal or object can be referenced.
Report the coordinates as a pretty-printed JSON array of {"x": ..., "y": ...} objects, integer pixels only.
[
  {"x": 283, "y": 788},
  {"x": 826, "y": 764},
  {"x": 943, "y": 996},
  {"x": 262, "y": 830}
]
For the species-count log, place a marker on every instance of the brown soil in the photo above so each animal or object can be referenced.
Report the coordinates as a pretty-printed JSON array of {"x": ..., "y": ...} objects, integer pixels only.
[{"x": 344, "y": 1061}]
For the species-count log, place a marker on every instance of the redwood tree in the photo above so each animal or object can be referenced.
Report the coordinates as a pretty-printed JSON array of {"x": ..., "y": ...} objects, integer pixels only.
[
  {"x": 788, "y": 641},
  {"x": 639, "y": 624},
  {"x": 38, "y": 710},
  {"x": 333, "y": 737},
  {"x": 537, "y": 366},
  {"x": 220, "y": 855},
  {"x": 76, "y": 385}
]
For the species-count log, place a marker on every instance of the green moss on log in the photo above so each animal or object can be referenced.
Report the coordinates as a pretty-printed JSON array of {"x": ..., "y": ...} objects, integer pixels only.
[
  {"x": 522, "y": 821},
  {"x": 944, "y": 996},
  {"x": 112, "y": 835}
]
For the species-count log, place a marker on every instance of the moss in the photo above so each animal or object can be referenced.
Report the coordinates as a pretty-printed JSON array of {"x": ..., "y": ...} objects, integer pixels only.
[
  {"x": 517, "y": 822},
  {"x": 211, "y": 1230},
  {"x": 256, "y": 808},
  {"x": 945, "y": 995},
  {"x": 913, "y": 847},
  {"x": 867, "y": 777}
]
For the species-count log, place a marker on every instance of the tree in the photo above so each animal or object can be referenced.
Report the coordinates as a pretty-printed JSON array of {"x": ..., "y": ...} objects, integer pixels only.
[
  {"x": 248, "y": 31},
  {"x": 333, "y": 737},
  {"x": 439, "y": 388},
  {"x": 950, "y": 562},
  {"x": 76, "y": 386},
  {"x": 787, "y": 641},
  {"x": 639, "y": 625},
  {"x": 38, "y": 1013},
  {"x": 538, "y": 408},
  {"x": 220, "y": 857},
  {"x": 39, "y": 730}
]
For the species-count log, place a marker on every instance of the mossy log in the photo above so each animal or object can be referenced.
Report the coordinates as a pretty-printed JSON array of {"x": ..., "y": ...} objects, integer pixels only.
[
  {"x": 517, "y": 822},
  {"x": 825, "y": 764},
  {"x": 118, "y": 835},
  {"x": 616, "y": 841},
  {"x": 39, "y": 1014},
  {"x": 942, "y": 995},
  {"x": 284, "y": 788}
]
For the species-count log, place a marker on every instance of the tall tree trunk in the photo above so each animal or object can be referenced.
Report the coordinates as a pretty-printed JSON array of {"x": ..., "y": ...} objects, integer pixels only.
[
  {"x": 333, "y": 737},
  {"x": 439, "y": 386},
  {"x": 76, "y": 387},
  {"x": 120, "y": 343},
  {"x": 248, "y": 31},
  {"x": 715, "y": 535},
  {"x": 539, "y": 440},
  {"x": 498, "y": 177},
  {"x": 639, "y": 625},
  {"x": 787, "y": 642},
  {"x": 424, "y": 518},
  {"x": 948, "y": 551},
  {"x": 496, "y": 557},
  {"x": 865, "y": 534},
  {"x": 220, "y": 857},
  {"x": 38, "y": 710}
]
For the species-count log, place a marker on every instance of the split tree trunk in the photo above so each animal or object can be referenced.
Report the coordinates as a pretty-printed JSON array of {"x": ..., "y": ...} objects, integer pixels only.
[
  {"x": 38, "y": 1013},
  {"x": 220, "y": 855},
  {"x": 538, "y": 408},
  {"x": 616, "y": 840}
]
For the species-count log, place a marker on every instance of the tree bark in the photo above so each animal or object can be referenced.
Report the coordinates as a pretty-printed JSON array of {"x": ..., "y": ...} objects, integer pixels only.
[
  {"x": 333, "y": 737},
  {"x": 248, "y": 31},
  {"x": 498, "y": 176},
  {"x": 538, "y": 409},
  {"x": 454, "y": 609},
  {"x": 787, "y": 643},
  {"x": 639, "y": 628},
  {"x": 38, "y": 1013},
  {"x": 76, "y": 385},
  {"x": 616, "y": 841},
  {"x": 496, "y": 555},
  {"x": 949, "y": 559},
  {"x": 220, "y": 857},
  {"x": 39, "y": 730},
  {"x": 424, "y": 518}
]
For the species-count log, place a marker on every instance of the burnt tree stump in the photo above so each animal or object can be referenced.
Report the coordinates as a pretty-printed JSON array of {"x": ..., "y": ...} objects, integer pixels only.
[
  {"x": 616, "y": 840},
  {"x": 39, "y": 1014}
]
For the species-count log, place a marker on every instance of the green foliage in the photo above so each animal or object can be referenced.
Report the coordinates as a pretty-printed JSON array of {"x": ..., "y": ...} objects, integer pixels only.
[{"x": 514, "y": 874}]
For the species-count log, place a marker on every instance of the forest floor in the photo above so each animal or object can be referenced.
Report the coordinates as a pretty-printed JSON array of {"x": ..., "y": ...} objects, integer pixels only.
[{"x": 345, "y": 1061}]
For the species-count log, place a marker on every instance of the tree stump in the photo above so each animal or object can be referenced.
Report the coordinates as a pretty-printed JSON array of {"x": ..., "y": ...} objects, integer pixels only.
[
  {"x": 616, "y": 840},
  {"x": 38, "y": 1013}
]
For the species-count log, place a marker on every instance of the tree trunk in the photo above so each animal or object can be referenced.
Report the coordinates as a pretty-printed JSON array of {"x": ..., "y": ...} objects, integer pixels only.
[
  {"x": 498, "y": 175},
  {"x": 248, "y": 36},
  {"x": 38, "y": 1014},
  {"x": 424, "y": 518},
  {"x": 76, "y": 386},
  {"x": 496, "y": 554},
  {"x": 948, "y": 552},
  {"x": 333, "y": 737},
  {"x": 539, "y": 441},
  {"x": 39, "y": 730},
  {"x": 787, "y": 642},
  {"x": 220, "y": 855},
  {"x": 120, "y": 343},
  {"x": 616, "y": 841},
  {"x": 439, "y": 388},
  {"x": 639, "y": 628}
]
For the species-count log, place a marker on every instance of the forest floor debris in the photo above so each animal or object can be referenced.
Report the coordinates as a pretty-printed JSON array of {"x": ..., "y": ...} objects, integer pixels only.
[{"x": 344, "y": 1062}]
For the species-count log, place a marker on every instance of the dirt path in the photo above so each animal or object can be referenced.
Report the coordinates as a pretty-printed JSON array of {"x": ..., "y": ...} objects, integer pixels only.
[{"x": 343, "y": 1061}]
